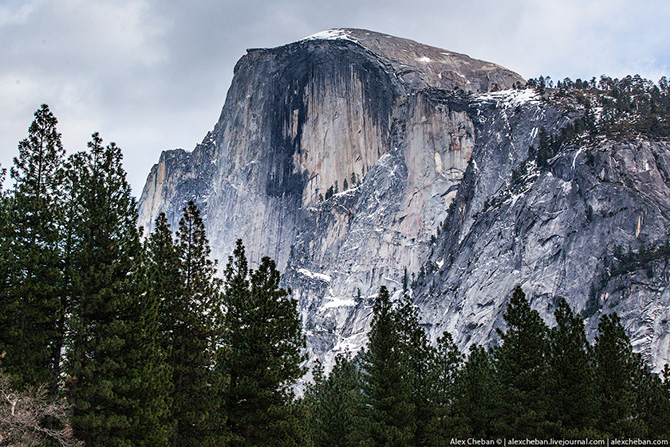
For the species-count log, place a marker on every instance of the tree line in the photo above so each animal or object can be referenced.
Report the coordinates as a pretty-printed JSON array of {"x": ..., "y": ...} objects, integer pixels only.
[
  {"x": 138, "y": 339},
  {"x": 618, "y": 108},
  {"x": 536, "y": 383},
  {"x": 111, "y": 339}
]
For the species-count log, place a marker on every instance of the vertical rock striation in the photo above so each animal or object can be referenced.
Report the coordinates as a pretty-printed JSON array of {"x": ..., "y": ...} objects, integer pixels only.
[{"x": 357, "y": 159}]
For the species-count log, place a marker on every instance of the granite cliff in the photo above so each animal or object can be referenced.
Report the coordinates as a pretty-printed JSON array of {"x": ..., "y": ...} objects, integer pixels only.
[{"x": 357, "y": 159}]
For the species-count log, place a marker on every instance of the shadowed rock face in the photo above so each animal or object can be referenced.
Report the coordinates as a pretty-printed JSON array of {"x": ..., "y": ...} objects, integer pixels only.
[
  {"x": 306, "y": 117},
  {"x": 357, "y": 159}
]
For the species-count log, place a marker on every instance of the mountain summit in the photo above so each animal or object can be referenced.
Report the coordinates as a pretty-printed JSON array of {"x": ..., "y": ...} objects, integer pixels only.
[
  {"x": 422, "y": 66},
  {"x": 357, "y": 159}
]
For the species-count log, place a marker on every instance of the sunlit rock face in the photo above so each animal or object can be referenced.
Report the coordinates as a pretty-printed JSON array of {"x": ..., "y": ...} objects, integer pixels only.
[{"x": 357, "y": 159}]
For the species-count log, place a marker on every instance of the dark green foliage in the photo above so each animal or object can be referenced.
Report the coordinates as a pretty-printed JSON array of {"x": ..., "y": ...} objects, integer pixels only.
[
  {"x": 521, "y": 363},
  {"x": 157, "y": 356},
  {"x": 629, "y": 106},
  {"x": 406, "y": 391},
  {"x": 615, "y": 368},
  {"x": 387, "y": 390},
  {"x": 184, "y": 281},
  {"x": 114, "y": 370},
  {"x": 631, "y": 261},
  {"x": 329, "y": 192},
  {"x": 634, "y": 104},
  {"x": 632, "y": 401},
  {"x": 541, "y": 83},
  {"x": 335, "y": 404},
  {"x": 571, "y": 385},
  {"x": 593, "y": 304},
  {"x": 164, "y": 285},
  {"x": 477, "y": 396},
  {"x": 652, "y": 401},
  {"x": 422, "y": 373},
  {"x": 263, "y": 342},
  {"x": 181, "y": 279},
  {"x": 31, "y": 299},
  {"x": 5, "y": 244},
  {"x": 445, "y": 423},
  {"x": 548, "y": 147}
]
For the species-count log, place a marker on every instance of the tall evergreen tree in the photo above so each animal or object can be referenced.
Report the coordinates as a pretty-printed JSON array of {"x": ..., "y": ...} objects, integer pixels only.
[
  {"x": 652, "y": 401},
  {"x": 163, "y": 286},
  {"x": 334, "y": 404},
  {"x": 421, "y": 359},
  {"x": 522, "y": 369},
  {"x": 387, "y": 389},
  {"x": 236, "y": 363},
  {"x": 115, "y": 380},
  {"x": 444, "y": 423},
  {"x": 572, "y": 376},
  {"x": 31, "y": 312},
  {"x": 614, "y": 373},
  {"x": 5, "y": 276},
  {"x": 5, "y": 242},
  {"x": 190, "y": 327},
  {"x": 477, "y": 396},
  {"x": 263, "y": 345}
]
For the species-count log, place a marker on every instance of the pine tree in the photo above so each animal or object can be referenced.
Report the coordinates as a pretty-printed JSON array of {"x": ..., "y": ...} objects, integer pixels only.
[
  {"x": 236, "y": 361},
  {"x": 522, "y": 369},
  {"x": 423, "y": 372},
  {"x": 664, "y": 413},
  {"x": 115, "y": 383},
  {"x": 652, "y": 402},
  {"x": 190, "y": 328},
  {"x": 163, "y": 286},
  {"x": 5, "y": 276},
  {"x": 334, "y": 404},
  {"x": 614, "y": 372},
  {"x": 31, "y": 331},
  {"x": 387, "y": 390},
  {"x": 312, "y": 404},
  {"x": 477, "y": 396},
  {"x": 444, "y": 423},
  {"x": 263, "y": 342},
  {"x": 572, "y": 376}
]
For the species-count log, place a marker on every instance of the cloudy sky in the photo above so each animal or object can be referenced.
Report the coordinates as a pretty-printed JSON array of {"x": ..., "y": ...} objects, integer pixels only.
[{"x": 153, "y": 74}]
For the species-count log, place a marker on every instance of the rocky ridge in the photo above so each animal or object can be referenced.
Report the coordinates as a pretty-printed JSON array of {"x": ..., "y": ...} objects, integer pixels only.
[{"x": 357, "y": 159}]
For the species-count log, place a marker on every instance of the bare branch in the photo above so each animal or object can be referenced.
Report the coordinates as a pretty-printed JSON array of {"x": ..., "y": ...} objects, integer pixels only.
[{"x": 29, "y": 418}]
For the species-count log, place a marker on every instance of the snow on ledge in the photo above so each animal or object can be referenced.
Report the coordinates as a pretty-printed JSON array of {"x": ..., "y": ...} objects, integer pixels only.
[
  {"x": 312, "y": 275},
  {"x": 511, "y": 97},
  {"x": 338, "y": 302}
]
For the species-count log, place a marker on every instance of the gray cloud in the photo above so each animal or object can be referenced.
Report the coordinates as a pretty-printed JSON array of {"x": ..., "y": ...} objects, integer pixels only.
[{"x": 152, "y": 75}]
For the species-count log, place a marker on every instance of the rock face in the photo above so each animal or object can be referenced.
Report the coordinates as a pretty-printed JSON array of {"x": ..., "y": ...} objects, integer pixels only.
[
  {"x": 554, "y": 231},
  {"x": 357, "y": 159}
]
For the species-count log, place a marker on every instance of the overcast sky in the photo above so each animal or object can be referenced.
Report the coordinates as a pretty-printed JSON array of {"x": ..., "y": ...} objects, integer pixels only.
[{"x": 153, "y": 74}]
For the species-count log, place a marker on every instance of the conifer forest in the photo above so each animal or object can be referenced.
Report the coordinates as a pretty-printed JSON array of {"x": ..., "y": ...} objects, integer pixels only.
[{"x": 112, "y": 337}]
